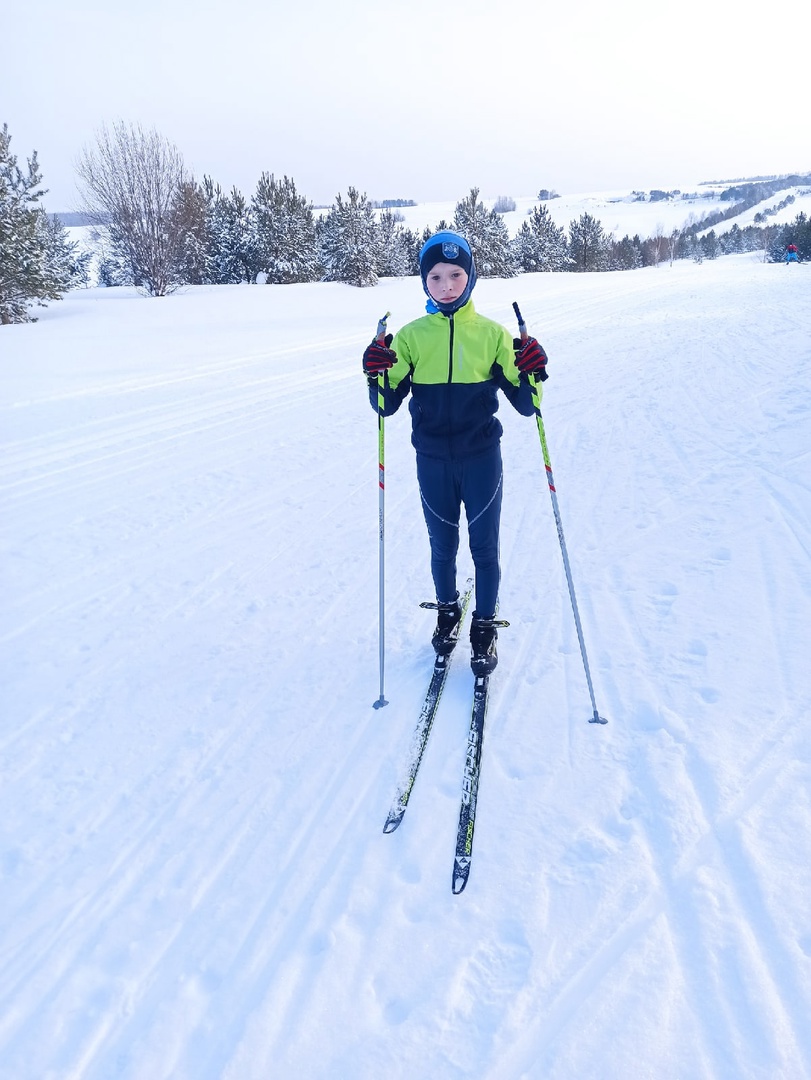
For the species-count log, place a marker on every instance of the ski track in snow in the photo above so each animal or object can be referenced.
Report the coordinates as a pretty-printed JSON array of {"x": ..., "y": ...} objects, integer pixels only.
[{"x": 194, "y": 879}]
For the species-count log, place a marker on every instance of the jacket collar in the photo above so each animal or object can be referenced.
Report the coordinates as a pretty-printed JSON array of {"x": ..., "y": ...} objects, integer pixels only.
[{"x": 467, "y": 311}]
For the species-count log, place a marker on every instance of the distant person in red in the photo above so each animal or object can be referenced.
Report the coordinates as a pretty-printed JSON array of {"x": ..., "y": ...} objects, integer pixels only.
[{"x": 792, "y": 255}]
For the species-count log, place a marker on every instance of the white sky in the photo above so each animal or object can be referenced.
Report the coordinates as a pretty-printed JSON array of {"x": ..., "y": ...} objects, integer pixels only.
[{"x": 411, "y": 98}]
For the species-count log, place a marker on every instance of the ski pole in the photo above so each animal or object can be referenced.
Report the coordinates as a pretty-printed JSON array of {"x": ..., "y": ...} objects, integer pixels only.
[
  {"x": 522, "y": 329},
  {"x": 380, "y": 336}
]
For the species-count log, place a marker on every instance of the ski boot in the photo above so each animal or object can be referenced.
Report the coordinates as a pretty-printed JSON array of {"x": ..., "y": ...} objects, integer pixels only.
[
  {"x": 483, "y": 637},
  {"x": 449, "y": 618}
]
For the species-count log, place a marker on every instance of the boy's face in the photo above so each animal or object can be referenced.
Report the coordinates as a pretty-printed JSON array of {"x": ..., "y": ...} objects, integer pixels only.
[{"x": 446, "y": 282}]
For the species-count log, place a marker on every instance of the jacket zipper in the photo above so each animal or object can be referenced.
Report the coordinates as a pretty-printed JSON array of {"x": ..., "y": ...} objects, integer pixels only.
[{"x": 450, "y": 382}]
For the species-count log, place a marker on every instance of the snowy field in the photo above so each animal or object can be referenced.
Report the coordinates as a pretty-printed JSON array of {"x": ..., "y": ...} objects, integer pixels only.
[
  {"x": 621, "y": 214},
  {"x": 194, "y": 881}
]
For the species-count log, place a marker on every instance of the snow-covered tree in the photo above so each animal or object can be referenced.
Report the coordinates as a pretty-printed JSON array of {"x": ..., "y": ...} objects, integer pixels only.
[
  {"x": 229, "y": 244},
  {"x": 64, "y": 258},
  {"x": 693, "y": 249},
  {"x": 626, "y": 254},
  {"x": 428, "y": 232},
  {"x": 190, "y": 221},
  {"x": 131, "y": 179},
  {"x": 470, "y": 220},
  {"x": 413, "y": 243},
  {"x": 798, "y": 232},
  {"x": 487, "y": 235},
  {"x": 589, "y": 247},
  {"x": 710, "y": 247},
  {"x": 111, "y": 269},
  {"x": 37, "y": 261},
  {"x": 540, "y": 245},
  {"x": 347, "y": 241},
  {"x": 283, "y": 232},
  {"x": 397, "y": 247}
]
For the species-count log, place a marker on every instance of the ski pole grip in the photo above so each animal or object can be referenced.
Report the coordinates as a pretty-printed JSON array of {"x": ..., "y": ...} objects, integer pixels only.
[
  {"x": 380, "y": 336},
  {"x": 522, "y": 326}
]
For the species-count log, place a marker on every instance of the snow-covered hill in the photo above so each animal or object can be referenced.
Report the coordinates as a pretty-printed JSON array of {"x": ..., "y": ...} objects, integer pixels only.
[
  {"x": 194, "y": 882},
  {"x": 621, "y": 213}
]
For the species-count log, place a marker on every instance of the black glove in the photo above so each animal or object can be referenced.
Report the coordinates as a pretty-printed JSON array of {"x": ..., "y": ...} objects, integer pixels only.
[
  {"x": 378, "y": 357},
  {"x": 530, "y": 357}
]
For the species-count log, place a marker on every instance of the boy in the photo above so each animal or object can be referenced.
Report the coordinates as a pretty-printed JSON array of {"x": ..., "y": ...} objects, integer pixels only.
[{"x": 453, "y": 361}]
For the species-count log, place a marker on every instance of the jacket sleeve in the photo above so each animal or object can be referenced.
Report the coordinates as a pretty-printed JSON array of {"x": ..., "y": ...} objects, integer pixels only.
[
  {"x": 509, "y": 379},
  {"x": 393, "y": 396}
]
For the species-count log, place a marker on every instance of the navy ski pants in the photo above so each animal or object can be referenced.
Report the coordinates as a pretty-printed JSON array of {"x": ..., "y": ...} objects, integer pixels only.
[{"x": 445, "y": 486}]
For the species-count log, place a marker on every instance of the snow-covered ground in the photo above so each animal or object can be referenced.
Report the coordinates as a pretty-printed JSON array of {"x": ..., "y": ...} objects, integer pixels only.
[
  {"x": 621, "y": 214},
  {"x": 776, "y": 213},
  {"x": 194, "y": 881}
]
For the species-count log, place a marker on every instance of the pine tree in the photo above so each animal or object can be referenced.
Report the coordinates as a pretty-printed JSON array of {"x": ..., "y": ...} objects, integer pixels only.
[
  {"x": 112, "y": 270},
  {"x": 469, "y": 220},
  {"x": 396, "y": 247},
  {"x": 189, "y": 214},
  {"x": 413, "y": 243},
  {"x": 427, "y": 233},
  {"x": 229, "y": 250},
  {"x": 283, "y": 232},
  {"x": 797, "y": 232},
  {"x": 36, "y": 259},
  {"x": 219, "y": 266},
  {"x": 710, "y": 247},
  {"x": 64, "y": 260},
  {"x": 347, "y": 241},
  {"x": 540, "y": 245},
  {"x": 487, "y": 235},
  {"x": 627, "y": 254},
  {"x": 589, "y": 247},
  {"x": 243, "y": 236},
  {"x": 694, "y": 249}
]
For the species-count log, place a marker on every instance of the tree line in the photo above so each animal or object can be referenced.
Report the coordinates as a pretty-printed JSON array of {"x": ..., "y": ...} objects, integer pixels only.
[{"x": 158, "y": 228}]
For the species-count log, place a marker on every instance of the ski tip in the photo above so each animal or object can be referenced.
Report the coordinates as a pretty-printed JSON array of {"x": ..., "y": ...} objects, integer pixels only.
[
  {"x": 391, "y": 825},
  {"x": 381, "y": 701},
  {"x": 597, "y": 719}
]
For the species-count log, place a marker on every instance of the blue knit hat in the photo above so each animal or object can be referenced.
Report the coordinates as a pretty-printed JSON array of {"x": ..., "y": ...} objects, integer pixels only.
[{"x": 447, "y": 247}]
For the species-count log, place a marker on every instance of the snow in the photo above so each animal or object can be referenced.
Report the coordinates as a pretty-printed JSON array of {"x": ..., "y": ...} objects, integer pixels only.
[
  {"x": 777, "y": 214},
  {"x": 620, "y": 213},
  {"x": 194, "y": 880}
]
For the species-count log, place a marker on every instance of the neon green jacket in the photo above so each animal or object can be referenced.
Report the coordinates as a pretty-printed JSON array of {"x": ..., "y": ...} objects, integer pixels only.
[{"x": 454, "y": 365}]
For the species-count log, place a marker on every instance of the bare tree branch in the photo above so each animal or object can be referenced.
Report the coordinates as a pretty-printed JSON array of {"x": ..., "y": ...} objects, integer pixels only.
[{"x": 131, "y": 181}]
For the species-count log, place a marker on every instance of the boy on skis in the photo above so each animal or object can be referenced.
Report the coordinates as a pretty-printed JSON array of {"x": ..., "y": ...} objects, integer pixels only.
[{"x": 453, "y": 361}]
